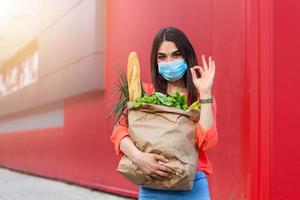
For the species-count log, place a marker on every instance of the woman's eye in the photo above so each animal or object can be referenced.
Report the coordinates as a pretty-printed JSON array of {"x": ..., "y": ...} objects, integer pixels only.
[
  {"x": 161, "y": 57},
  {"x": 176, "y": 55}
]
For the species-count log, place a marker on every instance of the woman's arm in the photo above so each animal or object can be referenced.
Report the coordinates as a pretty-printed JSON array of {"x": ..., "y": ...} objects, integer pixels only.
[
  {"x": 206, "y": 128},
  {"x": 129, "y": 149},
  {"x": 206, "y": 113}
]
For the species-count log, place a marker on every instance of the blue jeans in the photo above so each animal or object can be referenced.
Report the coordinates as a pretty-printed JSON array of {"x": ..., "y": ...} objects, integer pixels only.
[{"x": 200, "y": 191}]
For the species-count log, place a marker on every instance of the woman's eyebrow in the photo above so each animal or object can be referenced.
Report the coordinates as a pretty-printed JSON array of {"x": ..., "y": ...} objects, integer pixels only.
[
  {"x": 177, "y": 51},
  {"x": 171, "y": 53}
]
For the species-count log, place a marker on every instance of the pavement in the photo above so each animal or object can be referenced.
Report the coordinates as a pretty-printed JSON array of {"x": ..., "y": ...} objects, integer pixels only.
[{"x": 18, "y": 186}]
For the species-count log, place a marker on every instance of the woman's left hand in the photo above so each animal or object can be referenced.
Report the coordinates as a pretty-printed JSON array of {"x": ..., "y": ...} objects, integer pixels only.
[{"x": 205, "y": 82}]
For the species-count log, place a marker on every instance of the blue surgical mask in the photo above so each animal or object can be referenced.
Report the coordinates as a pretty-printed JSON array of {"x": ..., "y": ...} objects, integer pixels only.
[{"x": 172, "y": 71}]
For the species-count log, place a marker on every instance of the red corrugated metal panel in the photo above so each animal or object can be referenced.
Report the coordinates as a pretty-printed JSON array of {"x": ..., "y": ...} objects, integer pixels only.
[
  {"x": 285, "y": 165},
  {"x": 214, "y": 28}
]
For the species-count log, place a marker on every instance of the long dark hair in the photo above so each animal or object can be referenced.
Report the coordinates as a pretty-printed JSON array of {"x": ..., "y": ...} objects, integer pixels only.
[{"x": 184, "y": 46}]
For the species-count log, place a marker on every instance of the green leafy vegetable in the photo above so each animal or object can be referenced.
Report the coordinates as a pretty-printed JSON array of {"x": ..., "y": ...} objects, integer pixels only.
[{"x": 174, "y": 100}]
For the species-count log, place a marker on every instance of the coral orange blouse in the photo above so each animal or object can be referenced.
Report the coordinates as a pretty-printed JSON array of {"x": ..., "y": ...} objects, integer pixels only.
[{"x": 205, "y": 140}]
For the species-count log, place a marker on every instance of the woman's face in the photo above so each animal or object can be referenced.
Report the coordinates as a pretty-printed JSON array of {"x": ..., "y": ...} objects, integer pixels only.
[{"x": 168, "y": 52}]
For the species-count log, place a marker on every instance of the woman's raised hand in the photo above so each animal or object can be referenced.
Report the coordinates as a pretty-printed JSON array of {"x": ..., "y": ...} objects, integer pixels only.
[{"x": 207, "y": 72}]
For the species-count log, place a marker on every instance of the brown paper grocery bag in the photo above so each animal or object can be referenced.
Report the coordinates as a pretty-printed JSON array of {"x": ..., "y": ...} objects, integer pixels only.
[{"x": 167, "y": 131}]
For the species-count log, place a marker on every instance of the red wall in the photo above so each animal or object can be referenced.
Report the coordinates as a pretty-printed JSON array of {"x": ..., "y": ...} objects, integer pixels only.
[
  {"x": 285, "y": 165},
  {"x": 214, "y": 28},
  {"x": 81, "y": 151}
]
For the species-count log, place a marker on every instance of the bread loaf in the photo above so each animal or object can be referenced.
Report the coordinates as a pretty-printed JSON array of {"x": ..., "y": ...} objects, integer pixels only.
[{"x": 133, "y": 77}]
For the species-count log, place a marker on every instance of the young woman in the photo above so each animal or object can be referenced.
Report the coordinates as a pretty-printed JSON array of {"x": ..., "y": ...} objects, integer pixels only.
[{"x": 174, "y": 68}]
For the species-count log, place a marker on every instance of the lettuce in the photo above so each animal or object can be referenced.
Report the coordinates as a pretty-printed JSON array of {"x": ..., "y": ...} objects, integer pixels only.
[{"x": 174, "y": 100}]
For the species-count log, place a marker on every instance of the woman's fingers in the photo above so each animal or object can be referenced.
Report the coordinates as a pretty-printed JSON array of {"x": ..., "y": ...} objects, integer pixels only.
[
  {"x": 161, "y": 158},
  {"x": 156, "y": 168},
  {"x": 193, "y": 72},
  {"x": 199, "y": 69},
  {"x": 161, "y": 173},
  {"x": 210, "y": 65},
  {"x": 165, "y": 169},
  {"x": 209, "y": 62},
  {"x": 204, "y": 63},
  {"x": 213, "y": 70},
  {"x": 158, "y": 177}
]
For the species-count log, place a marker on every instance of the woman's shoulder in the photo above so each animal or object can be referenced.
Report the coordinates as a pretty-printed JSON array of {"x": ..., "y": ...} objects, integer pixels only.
[{"x": 148, "y": 88}]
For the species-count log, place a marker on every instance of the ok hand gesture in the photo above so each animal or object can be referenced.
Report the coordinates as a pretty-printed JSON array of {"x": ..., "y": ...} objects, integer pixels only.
[{"x": 207, "y": 72}]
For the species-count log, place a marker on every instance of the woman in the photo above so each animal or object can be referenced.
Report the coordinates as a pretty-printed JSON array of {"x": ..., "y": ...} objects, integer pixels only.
[{"x": 174, "y": 68}]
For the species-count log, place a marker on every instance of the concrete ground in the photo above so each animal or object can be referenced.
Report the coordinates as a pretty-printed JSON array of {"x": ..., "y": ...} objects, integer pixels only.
[{"x": 19, "y": 186}]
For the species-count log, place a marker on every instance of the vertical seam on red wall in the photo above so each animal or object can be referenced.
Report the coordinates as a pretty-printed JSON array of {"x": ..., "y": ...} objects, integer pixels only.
[
  {"x": 211, "y": 27},
  {"x": 252, "y": 99},
  {"x": 265, "y": 35},
  {"x": 245, "y": 107},
  {"x": 259, "y": 98}
]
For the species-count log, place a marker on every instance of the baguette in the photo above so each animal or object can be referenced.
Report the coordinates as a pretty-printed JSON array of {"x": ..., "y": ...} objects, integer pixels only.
[{"x": 133, "y": 77}]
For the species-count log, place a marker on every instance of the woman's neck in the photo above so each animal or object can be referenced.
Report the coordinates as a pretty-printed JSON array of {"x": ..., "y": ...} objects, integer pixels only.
[{"x": 177, "y": 86}]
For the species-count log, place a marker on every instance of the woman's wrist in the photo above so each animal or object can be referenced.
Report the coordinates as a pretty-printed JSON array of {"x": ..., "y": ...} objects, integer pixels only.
[
  {"x": 136, "y": 155},
  {"x": 205, "y": 95}
]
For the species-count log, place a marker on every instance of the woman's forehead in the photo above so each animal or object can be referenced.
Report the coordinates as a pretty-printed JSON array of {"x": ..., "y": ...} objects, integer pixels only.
[{"x": 167, "y": 47}]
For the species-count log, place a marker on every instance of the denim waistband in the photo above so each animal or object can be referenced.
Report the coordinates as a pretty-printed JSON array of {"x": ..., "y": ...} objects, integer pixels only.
[{"x": 199, "y": 175}]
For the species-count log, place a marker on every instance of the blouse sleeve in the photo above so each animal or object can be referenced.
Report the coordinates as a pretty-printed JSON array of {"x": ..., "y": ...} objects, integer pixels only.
[
  {"x": 120, "y": 131},
  {"x": 207, "y": 139}
]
